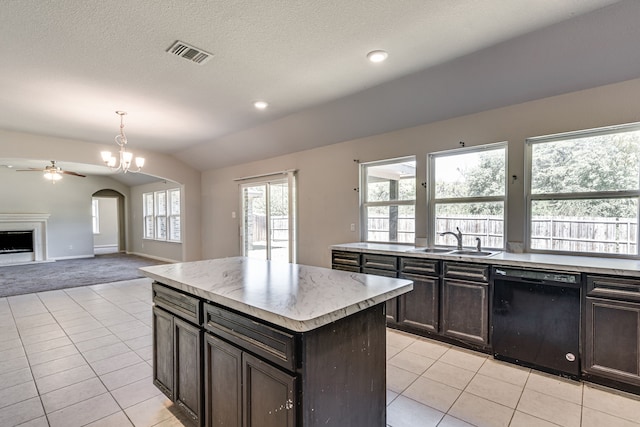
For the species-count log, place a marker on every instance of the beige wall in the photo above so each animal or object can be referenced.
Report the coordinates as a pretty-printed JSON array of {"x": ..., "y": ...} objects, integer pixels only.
[
  {"x": 68, "y": 202},
  {"x": 30, "y": 146},
  {"x": 328, "y": 204}
]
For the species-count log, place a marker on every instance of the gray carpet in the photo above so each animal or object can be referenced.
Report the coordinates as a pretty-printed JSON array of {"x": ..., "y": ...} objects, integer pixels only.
[{"x": 28, "y": 278}]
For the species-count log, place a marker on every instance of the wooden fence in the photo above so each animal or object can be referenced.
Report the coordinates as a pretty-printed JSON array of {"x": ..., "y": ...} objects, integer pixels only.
[
  {"x": 601, "y": 235},
  {"x": 279, "y": 228}
]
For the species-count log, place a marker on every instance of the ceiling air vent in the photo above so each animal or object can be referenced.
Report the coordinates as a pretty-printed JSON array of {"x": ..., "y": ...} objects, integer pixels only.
[{"x": 189, "y": 52}]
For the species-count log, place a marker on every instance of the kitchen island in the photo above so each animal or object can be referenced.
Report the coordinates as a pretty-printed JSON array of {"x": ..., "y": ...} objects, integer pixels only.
[{"x": 240, "y": 341}]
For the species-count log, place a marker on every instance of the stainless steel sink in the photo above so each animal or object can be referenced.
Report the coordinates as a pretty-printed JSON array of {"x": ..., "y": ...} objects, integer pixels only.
[
  {"x": 471, "y": 252},
  {"x": 443, "y": 251},
  {"x": 431, "y": 250}
]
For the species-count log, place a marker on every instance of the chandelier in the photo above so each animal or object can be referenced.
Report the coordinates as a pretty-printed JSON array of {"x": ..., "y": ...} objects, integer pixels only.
[{"x": 126, "y": 157}]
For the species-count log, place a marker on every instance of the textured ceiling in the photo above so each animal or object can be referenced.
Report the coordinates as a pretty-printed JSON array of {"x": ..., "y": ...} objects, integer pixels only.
[{"x": 68, "y": 65}]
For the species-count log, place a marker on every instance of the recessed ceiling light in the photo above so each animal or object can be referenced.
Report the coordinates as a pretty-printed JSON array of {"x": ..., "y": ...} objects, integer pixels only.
[
  {"x": 260, "y": 105},
  {"x": 376, "y": 56}
]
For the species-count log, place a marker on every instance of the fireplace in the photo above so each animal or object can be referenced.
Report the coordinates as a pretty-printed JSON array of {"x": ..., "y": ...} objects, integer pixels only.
[
  {"x": 12, "y": 242},
  {"x": 23, "y": 238}
]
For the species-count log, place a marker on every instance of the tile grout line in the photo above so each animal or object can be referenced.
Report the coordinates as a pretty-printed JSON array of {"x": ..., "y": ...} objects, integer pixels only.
[
  {"x": 520, "y": 397},
  {"x": 83, "y": 357},
  {"x": 35, "y": 384}
]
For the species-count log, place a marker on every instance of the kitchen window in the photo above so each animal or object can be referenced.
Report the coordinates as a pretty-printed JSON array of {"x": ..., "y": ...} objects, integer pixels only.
[
  {"x": 583, "y": 191},
  {"x": 467, "y": 190},
  {"x": 161, "y": 213},
  {"x": 388, "y": 200}
]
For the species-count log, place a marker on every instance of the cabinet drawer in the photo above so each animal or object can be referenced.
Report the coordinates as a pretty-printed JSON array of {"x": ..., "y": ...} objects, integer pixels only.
[
  {"x": 185, "y": 306},
  {"x": 419, "y": 266},
  {"x": 613, "y": 287},
  {"x": 352, "y": 269},
  {"x": 382, "y": 262},
  {"x": 459, "y": 270},
  {"x": 272, "y": 344},
  {"x": 345, "y": 258}
]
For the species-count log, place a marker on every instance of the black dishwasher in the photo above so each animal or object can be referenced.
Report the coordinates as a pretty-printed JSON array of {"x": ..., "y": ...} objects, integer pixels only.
[{"x": 536, "y": 319}]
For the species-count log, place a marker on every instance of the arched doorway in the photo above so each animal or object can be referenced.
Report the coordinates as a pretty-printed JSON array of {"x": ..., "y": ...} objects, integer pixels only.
[{"x": 108, "y": 222}]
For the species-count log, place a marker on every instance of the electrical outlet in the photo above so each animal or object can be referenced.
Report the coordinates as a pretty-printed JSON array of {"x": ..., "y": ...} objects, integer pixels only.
[
  {"x": 233, "y": 214},
  {"x": 353, "y": 227}
]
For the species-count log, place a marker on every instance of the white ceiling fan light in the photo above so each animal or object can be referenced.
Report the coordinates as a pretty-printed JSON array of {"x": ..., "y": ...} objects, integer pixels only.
[{"x": 52, "y": 172}]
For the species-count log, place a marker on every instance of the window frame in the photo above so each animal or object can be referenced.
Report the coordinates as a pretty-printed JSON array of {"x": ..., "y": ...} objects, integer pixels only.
[
  {"x": 95, "y": 215},
  {"x": 159, "y": 216},
  {"x": 590, "y": 195},
  {"x": 171, "y": 215},
  {"x": 148, "y": 215},
  {"x": 364, "y": 203},
  {"x": 268, "y": 180},
  {"x": 432, "y": 201},
  {"x": 156, "y": 216}
]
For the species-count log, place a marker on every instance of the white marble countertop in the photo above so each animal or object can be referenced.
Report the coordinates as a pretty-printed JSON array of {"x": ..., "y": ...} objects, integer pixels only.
[
  {"x": 598, "y": 265},
  {"x": 297, "y": 297}
]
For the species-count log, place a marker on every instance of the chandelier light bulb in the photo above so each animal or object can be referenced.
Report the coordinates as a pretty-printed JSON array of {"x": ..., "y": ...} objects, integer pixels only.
[{"x": 106, "y": 156}]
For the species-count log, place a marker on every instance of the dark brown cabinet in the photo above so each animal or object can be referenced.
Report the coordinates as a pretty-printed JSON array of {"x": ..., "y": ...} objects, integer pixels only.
[
  {"x": 258, "y": 375},
  {"x": 346, "y": 261},
  {"x": 612, "y": 329},
  {"x": 419, "y": 309},
  {"x": 177, "y": 346},
  {"x": 387, "y": 266},
  {"x": 242, "y": 389},
  {"x": 176, "y": 366},
  {"x": 239, "y": 386},
  {"x": 163, "y": 368},
  {"x": 465, "y": 302},
  {"x": 449, "y": 298},
  {"x": 268, "y": 396},
  {"x": 234, "y": 369},
  {"x": 223, "y": 383}
]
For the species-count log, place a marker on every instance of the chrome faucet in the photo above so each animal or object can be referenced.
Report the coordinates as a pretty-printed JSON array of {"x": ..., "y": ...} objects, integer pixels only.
[
  {"x": 479, "y": 244},
  {"x": 457, "y": 235}
]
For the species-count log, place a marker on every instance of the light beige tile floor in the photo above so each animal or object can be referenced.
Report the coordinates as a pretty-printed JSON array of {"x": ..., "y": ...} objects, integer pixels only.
[
  {"x": 434, "y": 384},
  {"x": 82, "y": 357}
]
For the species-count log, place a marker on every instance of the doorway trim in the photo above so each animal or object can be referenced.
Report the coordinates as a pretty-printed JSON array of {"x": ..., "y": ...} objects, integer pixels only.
[{"x": 122, "y": 240}]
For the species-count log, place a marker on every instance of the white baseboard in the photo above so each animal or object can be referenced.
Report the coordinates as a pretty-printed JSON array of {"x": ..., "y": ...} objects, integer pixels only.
[
  {"x": 60, "y": 258},
  {"x": 153, "y": 257}
]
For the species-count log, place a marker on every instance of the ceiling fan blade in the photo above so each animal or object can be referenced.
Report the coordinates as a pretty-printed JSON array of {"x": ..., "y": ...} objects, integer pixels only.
[
  {"x": 30, "y": 170},
  {"x": 72, "y": 173}
]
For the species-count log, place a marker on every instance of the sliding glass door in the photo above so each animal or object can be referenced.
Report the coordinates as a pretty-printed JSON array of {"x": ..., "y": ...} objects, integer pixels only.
[{"x": 268, "y": 226}]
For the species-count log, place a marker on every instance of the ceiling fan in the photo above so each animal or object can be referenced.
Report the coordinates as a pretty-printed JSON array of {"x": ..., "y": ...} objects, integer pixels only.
[{"x": 52, "y": 172}]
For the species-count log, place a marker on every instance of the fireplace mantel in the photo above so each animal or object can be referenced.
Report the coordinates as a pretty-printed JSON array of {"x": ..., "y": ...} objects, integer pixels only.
[{"x": 37, "y": 222}]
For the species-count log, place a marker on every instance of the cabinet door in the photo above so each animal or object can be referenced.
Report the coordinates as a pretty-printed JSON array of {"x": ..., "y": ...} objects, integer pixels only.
[
  {"x": 391, "y": 306},
  {"x": 612, "y": 339},
  {"x": 188, "y": 371},
  {"x": 223, "y": 383},
  {"x": 163, "y": 351},
  {"x": 269, "y": 395},
  {"x": 465, "y": 311},
  {"x": 419, "y": 308}
]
